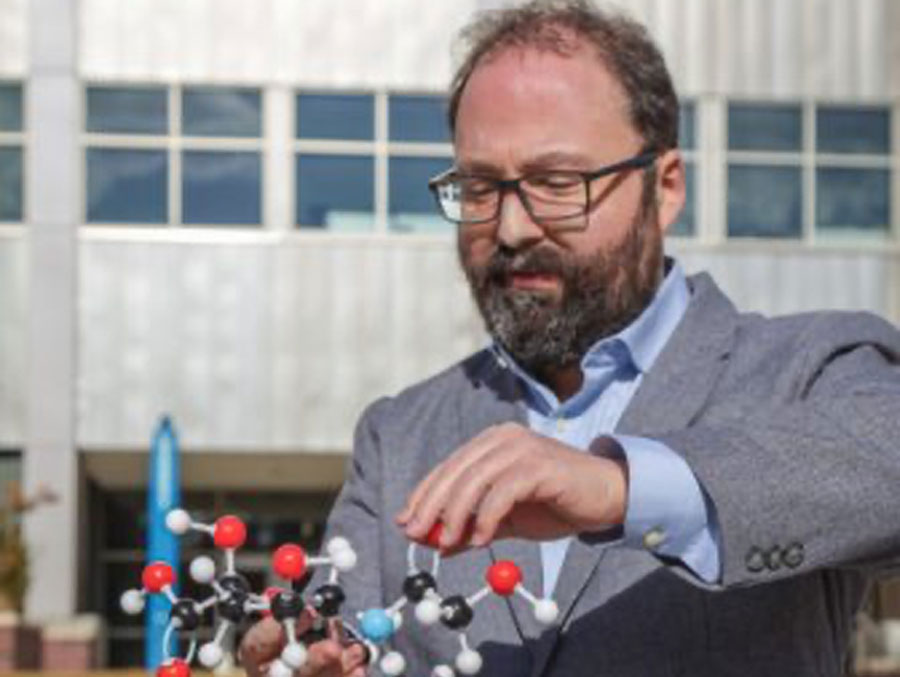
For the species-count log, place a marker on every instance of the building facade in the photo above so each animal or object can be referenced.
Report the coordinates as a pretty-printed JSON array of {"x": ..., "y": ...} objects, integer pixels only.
[{"x": 217, "y": 210}]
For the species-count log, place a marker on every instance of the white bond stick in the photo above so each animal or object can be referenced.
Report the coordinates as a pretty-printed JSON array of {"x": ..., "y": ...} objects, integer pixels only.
[
  {"x": 478, "y": 596},
  {"x": 223, "y": 629},
  {"x": 523, "y": 592},
  {"x": 436, "y": 565},
  {"x": 192, "y": 649},
  {"x": 396, "y": 606},
  {"x": 290, "y": 631},
  {"x": 229, "y": 561},
  {"x": 167, "y": 641},
  {"x": 208, "y": 603},
  {"x": 318, "y": 561},
  {"x": 171, "y": 596},
  {"x": 411, "y": 559}
]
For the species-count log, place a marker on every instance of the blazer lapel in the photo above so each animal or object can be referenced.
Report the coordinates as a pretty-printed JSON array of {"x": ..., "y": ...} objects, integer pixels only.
[
  {"x": 681, "y": 381},
  {"x": 670, "y": 396}
]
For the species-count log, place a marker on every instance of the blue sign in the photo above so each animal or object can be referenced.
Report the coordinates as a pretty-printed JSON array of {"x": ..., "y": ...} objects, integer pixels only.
[{"x": 163, "y": 494}]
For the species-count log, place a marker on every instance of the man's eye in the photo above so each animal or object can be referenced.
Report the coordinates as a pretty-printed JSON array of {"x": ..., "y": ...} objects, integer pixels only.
[
  {"x": 474, "y": 189},
  {"x": 554, "y": 181}
]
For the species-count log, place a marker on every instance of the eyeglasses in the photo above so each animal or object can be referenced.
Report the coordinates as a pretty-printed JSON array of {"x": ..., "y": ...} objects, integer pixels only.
[{"x": 557, "y": 199}]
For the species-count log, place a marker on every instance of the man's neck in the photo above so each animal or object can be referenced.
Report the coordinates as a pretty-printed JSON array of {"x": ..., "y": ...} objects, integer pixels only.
[{"x": 564, "y": 382}]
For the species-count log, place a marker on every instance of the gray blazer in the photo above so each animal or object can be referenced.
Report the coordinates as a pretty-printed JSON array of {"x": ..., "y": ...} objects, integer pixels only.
[{"x": 792, "y": 427}]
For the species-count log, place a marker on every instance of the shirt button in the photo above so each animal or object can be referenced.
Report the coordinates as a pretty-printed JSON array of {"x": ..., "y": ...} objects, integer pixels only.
[{"x": 654, "y": 538}]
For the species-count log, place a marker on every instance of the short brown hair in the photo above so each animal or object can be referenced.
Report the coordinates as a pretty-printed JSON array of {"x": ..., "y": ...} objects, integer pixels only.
[{"x": 623, "y": 45}]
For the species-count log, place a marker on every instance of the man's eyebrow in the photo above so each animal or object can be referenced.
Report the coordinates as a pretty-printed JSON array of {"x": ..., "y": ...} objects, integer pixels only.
[
  {"x": 556, "y": 160},
  {"x": 539, "y": 163}
]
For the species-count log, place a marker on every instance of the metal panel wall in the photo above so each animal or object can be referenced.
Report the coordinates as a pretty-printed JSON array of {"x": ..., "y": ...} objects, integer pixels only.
[
  {"x": 13, "y": 342},
  {"x": 274, "y": 344},
  {"x": 777, "y": 48},
  {"x": 13, "y": 38},
  {"x": 340, "y": 43}
]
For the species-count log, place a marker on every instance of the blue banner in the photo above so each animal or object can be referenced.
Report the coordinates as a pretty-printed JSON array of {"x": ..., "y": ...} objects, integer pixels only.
[{"x": 163, "y": 494}]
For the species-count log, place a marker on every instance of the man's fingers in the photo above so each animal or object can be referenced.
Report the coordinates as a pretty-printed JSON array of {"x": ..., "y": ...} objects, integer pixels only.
[
  {"x": 512, "y": 487},
  {"x": 355, "y": 656},
  {"x": 434, "y": 493},
  {"x": 465, "y": 496},
  {"x": 455, "y": 463},
  {"x": 323, "y": 660},
  {"x": 263, "y": 642}
]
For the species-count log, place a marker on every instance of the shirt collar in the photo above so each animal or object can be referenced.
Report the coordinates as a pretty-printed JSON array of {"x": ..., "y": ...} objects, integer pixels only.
[{"x": 637, "y": 345}]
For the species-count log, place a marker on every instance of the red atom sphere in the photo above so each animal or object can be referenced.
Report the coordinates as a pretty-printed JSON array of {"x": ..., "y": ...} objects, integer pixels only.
[
  {"x": 229, "y": 532},
  {"x": 433, "y": 537},
  {"x": 270, "y": 593},
  {"x": 289, "y": 562},
  {"x": 176, "y": 668},
  {"x": 503, "y": 577},
  {"x": 157, "y": 575}
]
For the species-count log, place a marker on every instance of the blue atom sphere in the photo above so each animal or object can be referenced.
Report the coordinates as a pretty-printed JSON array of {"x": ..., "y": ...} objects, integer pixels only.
[{"x": 376, "y": 625}]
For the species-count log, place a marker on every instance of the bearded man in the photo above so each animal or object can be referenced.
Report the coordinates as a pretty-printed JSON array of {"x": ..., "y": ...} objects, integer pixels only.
[{"x": 703, "y": 492}]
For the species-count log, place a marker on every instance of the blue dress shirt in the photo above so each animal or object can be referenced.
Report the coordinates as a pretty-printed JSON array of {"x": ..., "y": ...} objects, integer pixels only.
[{"x": 668, "y": 512}]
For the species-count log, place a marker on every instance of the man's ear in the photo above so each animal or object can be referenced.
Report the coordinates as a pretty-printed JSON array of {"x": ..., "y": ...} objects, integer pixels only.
[{"x": 669, "y": 188}]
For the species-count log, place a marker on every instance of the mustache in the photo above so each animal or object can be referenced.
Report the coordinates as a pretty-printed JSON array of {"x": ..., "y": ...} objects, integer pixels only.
[{"x": 505, "y": 262}]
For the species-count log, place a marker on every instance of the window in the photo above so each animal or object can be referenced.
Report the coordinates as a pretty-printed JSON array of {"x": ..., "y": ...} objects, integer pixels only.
[
  {"x": 362, "y": 161},
  {"x": 853, "y": 176},
  {"x": 808, "y": 171},
  {"x": 11, "y": 154},
  {"x": 687, "y": 142},
  {"x": 182, "y": 156},
  {"x": 765, "y": 144}
]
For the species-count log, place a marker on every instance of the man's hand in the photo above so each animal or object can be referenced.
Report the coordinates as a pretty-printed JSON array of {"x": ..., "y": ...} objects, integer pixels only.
[
  {"x": 327, "y": 658},
  {"x": 511, "y": 482}
]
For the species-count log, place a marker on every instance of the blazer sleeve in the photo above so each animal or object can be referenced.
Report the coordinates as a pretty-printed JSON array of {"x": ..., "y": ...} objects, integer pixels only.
[
  {"x": 355, "y": 516},
  {"x": 813, "y": 482}
]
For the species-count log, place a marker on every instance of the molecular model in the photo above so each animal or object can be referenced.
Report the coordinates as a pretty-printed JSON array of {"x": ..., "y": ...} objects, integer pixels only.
[
  {"x": 234, "y": 601},
  {"x": 232, "y": 598},
  {"x": 455, "y": 612}
]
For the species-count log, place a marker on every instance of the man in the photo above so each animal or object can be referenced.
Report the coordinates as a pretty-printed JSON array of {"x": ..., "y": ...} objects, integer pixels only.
[{"x": 702, "y": 492}]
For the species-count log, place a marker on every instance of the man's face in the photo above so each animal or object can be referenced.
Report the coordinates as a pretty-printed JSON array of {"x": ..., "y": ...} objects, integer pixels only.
[{"x": 548, "y": 296}]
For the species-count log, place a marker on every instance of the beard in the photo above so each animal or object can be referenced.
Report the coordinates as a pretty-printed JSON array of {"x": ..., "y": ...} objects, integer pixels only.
[{"x": 600, "y": 294}]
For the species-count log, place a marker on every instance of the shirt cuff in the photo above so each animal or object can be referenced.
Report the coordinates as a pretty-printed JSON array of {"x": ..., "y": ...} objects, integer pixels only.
[{"x": 668, "y": 512}]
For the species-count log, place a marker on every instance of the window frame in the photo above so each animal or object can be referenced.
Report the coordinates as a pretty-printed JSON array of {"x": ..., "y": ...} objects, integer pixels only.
[
  {"x": 808, "y": 159},
  {"x": 18, "y": 140},
  {"x": 174, "y": 143},
  {"x": 381, "y": 148}
]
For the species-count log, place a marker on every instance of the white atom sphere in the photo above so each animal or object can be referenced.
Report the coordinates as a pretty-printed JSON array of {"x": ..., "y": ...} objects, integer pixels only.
[
  {"x": 178, "y": 521},
  {"x": 203, "y": 569},
  {"x": 132, "y": 602},
  {"x": 428, "y": 611},
  {"x": 393, "y": 664},
  {"x": 210, "y": 655},
  {"x": 546, "y": 611},
  {"x": 442, "y": 671},
  {"x": 344, "y": 560},
  {"x": 337, "y": 544},
  {"x": 279, "y": 669},
  {"x": 294, "y": 655},
  {"x": 468, "y": 662}
]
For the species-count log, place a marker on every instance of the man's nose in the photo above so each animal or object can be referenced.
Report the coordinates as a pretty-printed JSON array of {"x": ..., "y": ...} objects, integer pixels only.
[{"x": 516, "y": 228}]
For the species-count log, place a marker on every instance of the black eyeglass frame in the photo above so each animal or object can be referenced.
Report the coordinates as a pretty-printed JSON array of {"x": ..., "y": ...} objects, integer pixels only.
[{"x": 640, "y": 161}]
